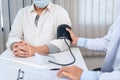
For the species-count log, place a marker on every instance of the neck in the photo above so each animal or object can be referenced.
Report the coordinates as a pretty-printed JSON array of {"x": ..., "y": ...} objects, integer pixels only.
[{"x": 39, "y": 10}]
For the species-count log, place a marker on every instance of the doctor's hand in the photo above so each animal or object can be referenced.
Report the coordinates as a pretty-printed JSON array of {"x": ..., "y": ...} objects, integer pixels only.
[
  {"x": 72, "y": 72},
  {"x": 22, "y": 49},
  {"x": 73, "y": 36}
]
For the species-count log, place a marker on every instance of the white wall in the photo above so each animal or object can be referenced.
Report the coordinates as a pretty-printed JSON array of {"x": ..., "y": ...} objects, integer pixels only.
[
  {"x": 10, "y": 9},
  {"x": 90, "y": 18}
]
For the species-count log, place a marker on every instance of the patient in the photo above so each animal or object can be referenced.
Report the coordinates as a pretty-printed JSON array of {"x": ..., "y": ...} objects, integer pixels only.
[
  {"x": 34, "y": 29},
  {"x": 109, "y": 44}
]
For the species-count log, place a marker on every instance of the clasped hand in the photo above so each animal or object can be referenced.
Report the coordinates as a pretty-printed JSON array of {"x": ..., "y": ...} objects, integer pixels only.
[{"x": 23, "y": 49}]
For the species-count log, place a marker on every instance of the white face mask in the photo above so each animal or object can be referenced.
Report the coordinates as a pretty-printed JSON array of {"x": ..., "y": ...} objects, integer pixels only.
[{"x": 41, "y": 3}]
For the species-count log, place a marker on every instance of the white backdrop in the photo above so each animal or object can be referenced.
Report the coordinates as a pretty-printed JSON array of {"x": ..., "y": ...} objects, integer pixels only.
[{"x": 90, "y": 18}]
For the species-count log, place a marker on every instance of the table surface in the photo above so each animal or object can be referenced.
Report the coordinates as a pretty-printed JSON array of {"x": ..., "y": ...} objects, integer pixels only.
[
  {"x": 62, "y": 57},
  {"x": 8, "y": 58}
]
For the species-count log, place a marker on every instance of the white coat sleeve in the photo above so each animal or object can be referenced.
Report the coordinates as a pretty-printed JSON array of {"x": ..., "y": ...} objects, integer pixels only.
[
  {"x": 115, "y": 75},
  {"x": 99, "y": 44},
  {"x": 92, "y": 75}
]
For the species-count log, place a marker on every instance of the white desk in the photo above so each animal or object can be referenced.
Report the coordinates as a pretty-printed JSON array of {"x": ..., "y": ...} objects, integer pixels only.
[{"x": 9, "y": 65}]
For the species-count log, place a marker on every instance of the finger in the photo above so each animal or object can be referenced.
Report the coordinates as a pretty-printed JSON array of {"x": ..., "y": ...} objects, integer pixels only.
[
  {"x": 65, "y": 69},
  {"x": 15, "y": 53},
  {"x": 24, "y": 42},
  {"x": 69, "y": 30},
  {"x": 22, "y": 48},
  {"x": 21, "y": 41},
  {"x": 59, "y": 74},
  {"x": 25, "y": 47},
  {"x": 15, "y": 49},
  {"x": 62, "y": 74},
  {"x": 68, "y": 75},
  {"x": 30, "y": 52},
  {"x": 15, "y": 45},
  {"x": 21, "y": 54}
]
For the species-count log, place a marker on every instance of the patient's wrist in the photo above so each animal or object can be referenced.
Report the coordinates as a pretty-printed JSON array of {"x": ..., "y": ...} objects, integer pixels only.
[{"x": 43, "y": 50}]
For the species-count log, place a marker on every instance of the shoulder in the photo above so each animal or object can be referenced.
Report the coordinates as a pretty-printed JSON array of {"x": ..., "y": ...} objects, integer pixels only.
[
  {"x": 25, "y": 9},
  {"x": 57, "y": 8}
]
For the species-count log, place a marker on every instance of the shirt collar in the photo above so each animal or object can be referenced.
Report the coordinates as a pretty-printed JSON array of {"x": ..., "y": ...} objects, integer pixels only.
[{"x": 49, "y": 7}]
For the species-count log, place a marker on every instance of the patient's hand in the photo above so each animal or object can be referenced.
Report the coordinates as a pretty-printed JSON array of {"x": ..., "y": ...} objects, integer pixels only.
[{"x": 23, "y": 49}]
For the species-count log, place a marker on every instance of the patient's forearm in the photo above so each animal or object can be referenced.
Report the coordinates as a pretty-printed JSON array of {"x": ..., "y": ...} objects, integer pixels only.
[{"x": 43, "y": 50}]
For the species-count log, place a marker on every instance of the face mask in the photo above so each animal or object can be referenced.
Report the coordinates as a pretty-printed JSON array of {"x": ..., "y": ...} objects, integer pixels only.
[{"x": 41, "y": 3}]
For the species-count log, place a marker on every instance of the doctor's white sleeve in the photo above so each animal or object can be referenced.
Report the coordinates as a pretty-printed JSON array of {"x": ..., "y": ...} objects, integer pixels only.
[
  {"x": 99, "y": 44},
  {"x": 93, "y": 75}
]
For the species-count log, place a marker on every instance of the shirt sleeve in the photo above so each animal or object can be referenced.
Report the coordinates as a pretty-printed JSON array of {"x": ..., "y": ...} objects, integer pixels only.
[
  {"x": 90, "y": 75},
  {"x": 115, "y": 75},
  {"x": 60, "y": 44},
  {"x": 98, "y": 44},
  {"x": 82, "y": 42},
  {"x": 16, "y": 31},
  {"x": 52, "y": 48},
  {"x": 61, "y": 18}
]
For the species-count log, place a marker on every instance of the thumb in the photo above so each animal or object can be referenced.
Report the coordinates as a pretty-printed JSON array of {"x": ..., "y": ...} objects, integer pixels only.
[
  {"x": 29, "y": 49},
  {"x": 68, "y": 29}
]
